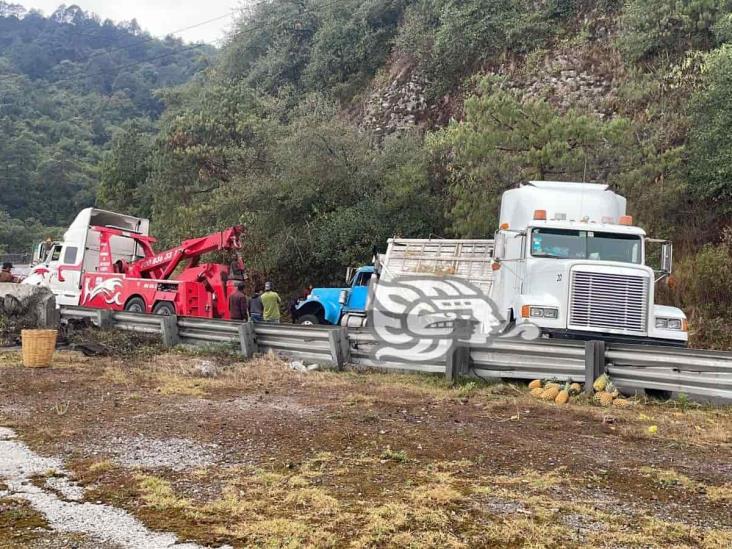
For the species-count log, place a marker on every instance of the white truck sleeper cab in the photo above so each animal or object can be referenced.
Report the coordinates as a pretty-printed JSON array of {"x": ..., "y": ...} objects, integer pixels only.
[{"x": 569, "y": 260}]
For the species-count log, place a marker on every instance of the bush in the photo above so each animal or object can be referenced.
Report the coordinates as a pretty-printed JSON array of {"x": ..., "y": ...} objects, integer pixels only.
[{"x": 650, "y": 28}]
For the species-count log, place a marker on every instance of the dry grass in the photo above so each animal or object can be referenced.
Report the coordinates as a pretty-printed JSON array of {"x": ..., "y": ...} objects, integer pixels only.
[
  {"x": 158, "y": 493},
  {"x": 719, "y": 493}
]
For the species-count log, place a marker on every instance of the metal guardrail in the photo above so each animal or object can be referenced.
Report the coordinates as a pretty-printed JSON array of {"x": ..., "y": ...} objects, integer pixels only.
[
  {"x": 707, "y": 374},
  {"x": 690, "y": 371},
  {"x": 323, "y": 344}
]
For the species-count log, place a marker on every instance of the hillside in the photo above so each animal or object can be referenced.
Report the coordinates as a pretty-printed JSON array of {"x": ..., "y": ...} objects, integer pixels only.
[
  {"x": 329, "y": 127},
  {"x": 68, "y": 83}
]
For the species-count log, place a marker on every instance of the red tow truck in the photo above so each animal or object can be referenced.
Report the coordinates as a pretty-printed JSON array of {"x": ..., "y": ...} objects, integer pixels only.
[{"x": 107, "y": 261}]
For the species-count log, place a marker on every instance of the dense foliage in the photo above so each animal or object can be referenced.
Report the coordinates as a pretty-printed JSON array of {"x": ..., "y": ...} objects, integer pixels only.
[{"x": 67, "y": 83}]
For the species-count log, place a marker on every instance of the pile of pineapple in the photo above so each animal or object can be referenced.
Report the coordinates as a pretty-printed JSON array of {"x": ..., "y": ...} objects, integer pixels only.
[
  {"x": 554, "y": 391},
  {"x": 606, "y": 394}
]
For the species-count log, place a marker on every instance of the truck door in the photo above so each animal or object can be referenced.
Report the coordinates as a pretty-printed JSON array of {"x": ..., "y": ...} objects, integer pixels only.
[
  {"x": 67, "y": 274},
  {"x": 359, "y": 292}
]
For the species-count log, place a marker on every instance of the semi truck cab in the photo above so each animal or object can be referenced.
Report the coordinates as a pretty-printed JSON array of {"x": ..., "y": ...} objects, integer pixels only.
[{"x": 569, "y": 260}]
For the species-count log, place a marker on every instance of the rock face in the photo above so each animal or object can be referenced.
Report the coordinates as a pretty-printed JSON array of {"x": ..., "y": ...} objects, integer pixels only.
[
  {"x": 397, "y": 102},
  {"x": 582, "y": 79}
]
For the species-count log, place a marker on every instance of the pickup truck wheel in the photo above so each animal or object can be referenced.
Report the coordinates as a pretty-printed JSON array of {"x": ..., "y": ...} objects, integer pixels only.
[
  {"x": 135, "y": 305},
  {"x": 309, "y": 320},
  {"x": 164, "y": 308}
]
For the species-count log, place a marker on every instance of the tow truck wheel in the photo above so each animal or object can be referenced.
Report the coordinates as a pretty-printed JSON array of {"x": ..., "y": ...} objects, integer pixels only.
[
  {"x": 308, "y": 320},
  {"x": 164, "y": 308},
  {"x": 135, "y": 305}
]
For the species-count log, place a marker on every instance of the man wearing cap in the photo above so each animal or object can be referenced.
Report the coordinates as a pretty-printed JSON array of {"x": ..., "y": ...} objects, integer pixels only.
[
  {"x": 6, "y": 275},
  {"x": 272, "y": 303}
]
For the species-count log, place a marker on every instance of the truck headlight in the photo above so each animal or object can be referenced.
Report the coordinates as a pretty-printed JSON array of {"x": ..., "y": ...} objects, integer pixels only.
[
  {"x": 539, "y": 312},
  {"x": 670, "y": 323}
]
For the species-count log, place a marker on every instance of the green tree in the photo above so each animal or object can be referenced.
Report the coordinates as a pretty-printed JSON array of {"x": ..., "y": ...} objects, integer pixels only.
[
  {"x": 710, "y": 141},
  {"x": 504, "y": 141},
  {"x": 650, "y": 28}
]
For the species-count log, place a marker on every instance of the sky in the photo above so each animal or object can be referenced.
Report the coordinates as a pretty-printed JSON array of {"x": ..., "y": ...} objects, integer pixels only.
[{"x": 159, "y": 17}]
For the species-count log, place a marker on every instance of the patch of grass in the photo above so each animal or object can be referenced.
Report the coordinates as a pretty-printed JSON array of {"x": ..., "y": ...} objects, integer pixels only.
[
  {"x": 115, "y": 375},
  {"x": 437, "y": 493},
  {"x": 669, "y": 478},
  {"x": 719, "y": 493},
  {"x": 101, "y": 466},
  {"x": 19, "y": 523},
  {"x": 400, "y": 456},
  {"x": 158, "y": 493},
  {"x": 314, "y": 500},
  {"x": 171, "y": 384}
]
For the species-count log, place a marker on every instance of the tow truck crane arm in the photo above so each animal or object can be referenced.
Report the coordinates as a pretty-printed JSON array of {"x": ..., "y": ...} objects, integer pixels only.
[{"x": 162, "y": 265}]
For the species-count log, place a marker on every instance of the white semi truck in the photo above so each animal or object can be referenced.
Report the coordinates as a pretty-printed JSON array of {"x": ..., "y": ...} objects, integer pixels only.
[{"x": 569, "y": 260}]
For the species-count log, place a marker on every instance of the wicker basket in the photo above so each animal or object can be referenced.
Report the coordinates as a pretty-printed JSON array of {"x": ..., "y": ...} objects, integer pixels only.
[{"x": 38, "y": 347}]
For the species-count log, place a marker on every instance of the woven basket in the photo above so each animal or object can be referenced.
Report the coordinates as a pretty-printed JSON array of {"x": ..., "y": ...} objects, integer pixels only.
[{"x": 38, "y": 347}]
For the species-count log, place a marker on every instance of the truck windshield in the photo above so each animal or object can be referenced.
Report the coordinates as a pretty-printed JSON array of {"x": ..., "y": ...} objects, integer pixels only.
[{"x": 597, "y": 246}]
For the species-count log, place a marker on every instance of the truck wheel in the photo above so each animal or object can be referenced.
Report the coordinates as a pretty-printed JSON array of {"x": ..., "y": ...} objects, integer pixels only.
[
  {"x": 136, "y": 305},
  {"x": 164, "y": 308},
  {"x": 309, "y": 320}
]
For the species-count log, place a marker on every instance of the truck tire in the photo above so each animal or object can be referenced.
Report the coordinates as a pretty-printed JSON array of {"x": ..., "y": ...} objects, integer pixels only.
[
  {"x": 164, "y": 308},
  {"x": 136, "y": 305},
  {"x": 309, "y": 320}
]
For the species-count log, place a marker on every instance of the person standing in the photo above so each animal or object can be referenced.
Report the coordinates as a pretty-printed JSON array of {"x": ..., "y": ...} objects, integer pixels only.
[
  {"x": 272, "y": 303},
  {"x": 238, "y": 309},
  {"x": 6, "y": 275},
  {"x": 256, "y": 309}
]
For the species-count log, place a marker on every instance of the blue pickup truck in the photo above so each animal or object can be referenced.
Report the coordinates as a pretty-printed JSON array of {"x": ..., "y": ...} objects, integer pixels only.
[{"x": 333, "y": 305}]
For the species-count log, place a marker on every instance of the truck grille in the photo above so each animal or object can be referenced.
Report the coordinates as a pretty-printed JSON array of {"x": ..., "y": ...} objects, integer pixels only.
[{"x": 608, "y": 301}]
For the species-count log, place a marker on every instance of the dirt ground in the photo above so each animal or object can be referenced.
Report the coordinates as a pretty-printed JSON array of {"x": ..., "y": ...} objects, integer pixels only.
[{"x": 257, "y": 455}]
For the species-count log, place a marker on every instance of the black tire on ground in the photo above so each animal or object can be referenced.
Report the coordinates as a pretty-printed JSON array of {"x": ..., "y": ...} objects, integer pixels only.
[
  {"x": 309, "y": 320},
  {"x": 658, "y": 394},
  {"x": 136, "y": 305},
  {"x": 164, "y": 308}
]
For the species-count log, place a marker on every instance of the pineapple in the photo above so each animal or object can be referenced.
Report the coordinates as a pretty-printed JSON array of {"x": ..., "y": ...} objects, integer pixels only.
[
  {"x": 536, "y": 392},
  {"x": 600, "y": 383},
  {"x": 606, "y": 399},
  {"x": 575, "y": 389},
  {"x": 553, "y": 384},
  {"x": 622, "y": 403},
  {"x": 536, "y": 384},
  {"x": 563, "y": 396},
  {"x": 550, "y": 393}
]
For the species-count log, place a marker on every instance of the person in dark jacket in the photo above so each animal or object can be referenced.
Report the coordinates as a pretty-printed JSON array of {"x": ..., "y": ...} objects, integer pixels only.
[
  {"x": 238, "y": 309},
  {"x": 256, "y": 308}
]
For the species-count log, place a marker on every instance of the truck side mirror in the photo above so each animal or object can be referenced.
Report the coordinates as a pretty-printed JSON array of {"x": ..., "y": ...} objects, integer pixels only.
[
  {"x": 667, "y": 257},
  {"x": 349, "y": 275}
]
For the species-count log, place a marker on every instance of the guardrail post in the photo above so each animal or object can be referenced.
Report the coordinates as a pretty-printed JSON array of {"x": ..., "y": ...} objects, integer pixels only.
[
  {"x": 457, "y": 361},
  {"x": 336, "y": 343},
  {"x": 105, "y": 320},
  {"x": 169, "y": 330},
  {"x": 345, "y": 345},
  {"x": 246, "y": 339},
  {"x": 594, "y": 363}
]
